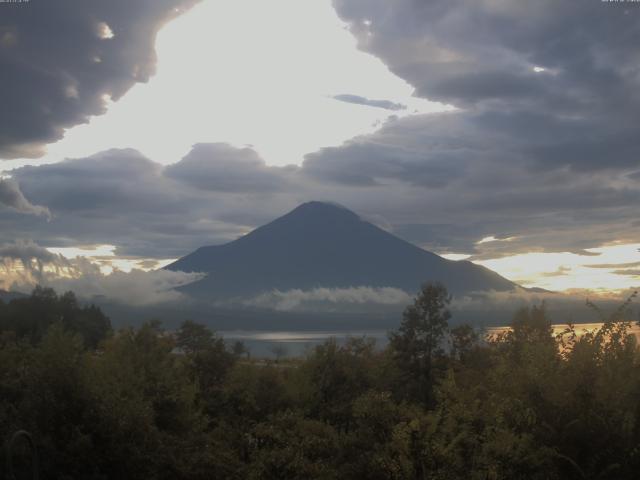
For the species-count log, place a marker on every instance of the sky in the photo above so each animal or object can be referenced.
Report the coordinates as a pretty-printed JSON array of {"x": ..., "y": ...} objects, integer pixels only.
[{"x": 498, "y": 131}]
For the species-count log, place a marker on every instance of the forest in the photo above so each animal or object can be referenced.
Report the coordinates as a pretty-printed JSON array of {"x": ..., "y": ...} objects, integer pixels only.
[{"x": 439, "y": 402}]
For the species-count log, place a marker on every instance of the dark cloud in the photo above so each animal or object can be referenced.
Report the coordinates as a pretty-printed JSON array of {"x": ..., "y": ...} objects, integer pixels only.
[
  {"x": 457, "y": 180},
  {"x": 223, "y": 168},
  {"x": 11, "y": 196},
  {"x": 59, "y": 60},
  {"x": 218, "y": 192},
  {"x": 358, "y": 100},
  {"x": 544, "y": 138},
  {"x": 122, "y": 198},
  {"x": 432, "y": 158},
  {"x": 368, "y": 165},
  {"x": 114, "y": 178},
  {"x": 564, "y": 75},
  {"x": 471, "y": 53}
]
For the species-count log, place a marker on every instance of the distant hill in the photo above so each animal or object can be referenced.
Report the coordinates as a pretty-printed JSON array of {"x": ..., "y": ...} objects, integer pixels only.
[{"x": 325, "y": 245}]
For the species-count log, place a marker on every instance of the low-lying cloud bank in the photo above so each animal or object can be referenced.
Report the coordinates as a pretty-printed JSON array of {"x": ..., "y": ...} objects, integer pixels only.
[
  {"x": 24, "y": 264},
  {"x": 497, "y": 308},
  {"x": 137, "y": 287},
  {"x": 319, "y": 299},
  {"x": 480, "y": 308}
]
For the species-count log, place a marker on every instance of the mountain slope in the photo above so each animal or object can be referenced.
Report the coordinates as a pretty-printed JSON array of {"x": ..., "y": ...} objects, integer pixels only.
[{"x": 324, "y": 245}]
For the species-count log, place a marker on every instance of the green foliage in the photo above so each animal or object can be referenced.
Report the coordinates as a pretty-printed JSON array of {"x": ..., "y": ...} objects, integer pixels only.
[
  {"x": 293, "y": 447},
  {"x": 334, "y": 376},
  {"x": 194, "y": 337},
  {"x": 464, "y": 340},
  {"x": 207, "y": 362},
  {"x": 159, "y": 405},
  {"x": 31, "y": 317},
  {"x": 418, "y": 342}
]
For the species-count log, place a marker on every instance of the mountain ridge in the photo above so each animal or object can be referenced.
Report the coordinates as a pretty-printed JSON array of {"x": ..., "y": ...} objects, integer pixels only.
[{"x": 318, "y": 244}]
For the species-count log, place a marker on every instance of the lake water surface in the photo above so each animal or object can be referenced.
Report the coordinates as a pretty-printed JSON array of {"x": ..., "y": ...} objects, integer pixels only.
[{"x": 265, "y": 344}]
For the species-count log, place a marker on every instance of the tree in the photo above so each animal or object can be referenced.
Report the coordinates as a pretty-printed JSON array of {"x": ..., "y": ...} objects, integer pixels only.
[
  {"x": 463, "y": 340},
  {"x": 207, "y": 360},
  {"x": 239, "y": 349},
  {"x": 532, "y": 325},
  {"x": 419, "y": 339},
  {"x": 335, "y": 376},
  {"x": 194, "y": 337},
  {"x": 279, "y": 351},
  {"x": 32, "y": 316}
]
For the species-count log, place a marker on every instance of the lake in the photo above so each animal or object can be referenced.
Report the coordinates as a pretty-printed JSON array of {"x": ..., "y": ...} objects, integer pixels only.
[
  {"x": 295, "y": 343},
  {"x": 263, "y": 344}
]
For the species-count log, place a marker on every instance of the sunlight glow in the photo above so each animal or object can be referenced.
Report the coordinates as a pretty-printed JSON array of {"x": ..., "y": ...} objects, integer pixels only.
[
  {"x": 85, "y": 251},
  {"x": 247, "y": 72},
  {"x": 609, "y": 268},
  {"x": 105, "y": 257}
]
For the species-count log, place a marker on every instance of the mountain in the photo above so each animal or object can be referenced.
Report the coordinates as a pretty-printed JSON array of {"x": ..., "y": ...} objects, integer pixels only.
[{"x": 325, "y": 245}]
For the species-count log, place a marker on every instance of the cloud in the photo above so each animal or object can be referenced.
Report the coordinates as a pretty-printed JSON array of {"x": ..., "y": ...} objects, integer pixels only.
[
  {"x": 573, "y": 93},
  {"x": 11, "y": 196},
  {"x": 474, "y": 53},
  {"x": 542, "y": 146},
  {"x": 392, "y": 155},
  {"x": 497, "y": 308},
  {"x": 149, "y": 210},
  {"x": 440, "y": 181},
  {"x": 449, "y": 180},
  {"x": 62, "y": 60},
  {"x": 25, "y": 251},
  {"x": 614, "y": 265},
  {"x": 488, "y": 308},
  {"x": 358, "y": 100},
  {"x": 137, "y": 287},
  {"x": 631, "y": 272},
  {"x": 21, "y": 260},
  {"x": 223, "y": 168},
  {"x": 560, "y": 272},
  {"x": 318, "y": 298},
  {"x": 25, "y": 264}
]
